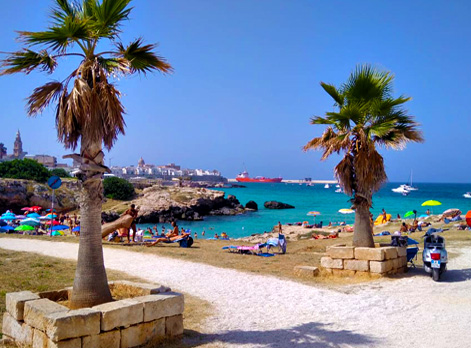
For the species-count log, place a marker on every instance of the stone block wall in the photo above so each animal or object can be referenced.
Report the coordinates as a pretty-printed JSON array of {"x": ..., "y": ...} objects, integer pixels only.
[
  {"x": 347, "y": 261},
  {"x": 36, "y": 320}
]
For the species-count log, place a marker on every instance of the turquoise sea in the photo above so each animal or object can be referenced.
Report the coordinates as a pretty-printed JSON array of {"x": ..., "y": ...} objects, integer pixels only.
[{"x": 326, "y": 201}]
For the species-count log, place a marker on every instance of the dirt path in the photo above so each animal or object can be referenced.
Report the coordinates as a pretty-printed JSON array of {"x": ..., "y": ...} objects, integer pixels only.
[{"x": 263, "y": 311}]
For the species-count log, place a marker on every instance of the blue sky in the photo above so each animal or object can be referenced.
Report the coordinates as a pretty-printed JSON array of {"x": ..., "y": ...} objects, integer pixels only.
[{"x": 246, "y": 82}]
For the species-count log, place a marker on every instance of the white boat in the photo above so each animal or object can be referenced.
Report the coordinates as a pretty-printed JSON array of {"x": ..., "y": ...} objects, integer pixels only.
[
  {"x": 467, "y": 195},
  {"x": 405, "y": 189},
  {"x": 326, "y": 186},
  {"x": 339, "y": 190}
]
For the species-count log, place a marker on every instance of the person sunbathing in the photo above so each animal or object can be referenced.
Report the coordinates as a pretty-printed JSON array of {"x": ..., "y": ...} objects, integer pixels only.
[{"x": 170, "y": 237}]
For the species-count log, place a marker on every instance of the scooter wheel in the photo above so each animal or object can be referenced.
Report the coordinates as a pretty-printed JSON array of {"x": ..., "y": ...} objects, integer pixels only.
[{"x": 436, "y": 274}]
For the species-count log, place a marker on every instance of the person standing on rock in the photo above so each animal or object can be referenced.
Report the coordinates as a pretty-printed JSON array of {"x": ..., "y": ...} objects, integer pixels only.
[{"x": 132, "y": 211}]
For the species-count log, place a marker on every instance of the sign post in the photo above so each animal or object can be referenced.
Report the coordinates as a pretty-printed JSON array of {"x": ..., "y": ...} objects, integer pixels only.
[{"x": 54, "y": 183}]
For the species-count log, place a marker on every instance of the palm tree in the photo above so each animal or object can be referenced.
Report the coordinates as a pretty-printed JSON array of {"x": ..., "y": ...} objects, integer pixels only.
[
  {"x": 88, "y": 111},
  {"x": 367, "y": 116}
]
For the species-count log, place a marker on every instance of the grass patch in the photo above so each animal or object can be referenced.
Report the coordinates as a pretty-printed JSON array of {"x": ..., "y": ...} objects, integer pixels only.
[{"x": 28, "y": 271}]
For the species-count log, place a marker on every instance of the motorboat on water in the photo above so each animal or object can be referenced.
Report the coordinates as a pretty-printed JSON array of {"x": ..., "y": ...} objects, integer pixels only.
[
  {"x": 405, "y": 189},
  {"x": 326, "y": 186},
  {"x": 467, "y": 195},
  {"x": 339, "y": 190}
]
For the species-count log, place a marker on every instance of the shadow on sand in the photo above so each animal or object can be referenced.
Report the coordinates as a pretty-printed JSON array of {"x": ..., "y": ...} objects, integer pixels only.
[
  {"x": 310, "y": 335},
  {"x": 450, "y": 276}
]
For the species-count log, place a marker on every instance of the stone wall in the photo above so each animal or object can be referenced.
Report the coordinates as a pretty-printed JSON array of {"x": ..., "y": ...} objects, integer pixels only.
[
  {"x": 342, "y": 260},
  {"x": 37, "y": 320}
]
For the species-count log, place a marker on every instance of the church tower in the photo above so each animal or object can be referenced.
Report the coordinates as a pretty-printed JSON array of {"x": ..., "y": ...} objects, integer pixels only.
[{"x": 18, "y": 147}]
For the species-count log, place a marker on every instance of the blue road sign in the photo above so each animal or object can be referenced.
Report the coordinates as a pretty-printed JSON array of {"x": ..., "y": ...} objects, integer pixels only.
[{"x": 54, "y": 182}]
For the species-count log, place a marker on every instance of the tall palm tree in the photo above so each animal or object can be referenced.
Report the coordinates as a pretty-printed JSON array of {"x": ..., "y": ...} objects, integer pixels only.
[
  {"x": 368, "y": 116},
  {"x": 88, "y": 111}
]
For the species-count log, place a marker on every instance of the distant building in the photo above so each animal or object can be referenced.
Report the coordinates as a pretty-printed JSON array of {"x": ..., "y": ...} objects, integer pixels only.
[
  {"x": 18, "y": 152},
  {"x": 45, "y": 160}
]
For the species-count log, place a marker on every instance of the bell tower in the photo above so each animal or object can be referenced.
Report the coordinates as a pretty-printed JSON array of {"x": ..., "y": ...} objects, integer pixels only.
[{"x": 18, "y": 147}]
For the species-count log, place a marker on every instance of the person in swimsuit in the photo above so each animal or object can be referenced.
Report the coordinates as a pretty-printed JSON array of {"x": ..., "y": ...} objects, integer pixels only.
[
  {"x": 169, "y": 237},
  {"x": 132, "y": 212}
]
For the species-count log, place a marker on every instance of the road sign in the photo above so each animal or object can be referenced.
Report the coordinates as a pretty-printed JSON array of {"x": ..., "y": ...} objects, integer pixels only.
[{"x": 54, "y": 182}]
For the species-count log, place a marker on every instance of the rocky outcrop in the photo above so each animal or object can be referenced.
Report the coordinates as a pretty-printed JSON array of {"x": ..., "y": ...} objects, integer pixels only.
[
  {"x": 164, "y": 204},
  {"x": 16, "y": 194},
  {"x": 251, "y": 205},
  {"x": 277, "y": 205}
]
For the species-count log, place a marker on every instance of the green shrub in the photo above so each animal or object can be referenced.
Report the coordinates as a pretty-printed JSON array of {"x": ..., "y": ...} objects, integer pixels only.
[
  {"x": 24, "y": 169},
  {"x": 60, "y": 172},
  {"x": 117, "y": 188}
]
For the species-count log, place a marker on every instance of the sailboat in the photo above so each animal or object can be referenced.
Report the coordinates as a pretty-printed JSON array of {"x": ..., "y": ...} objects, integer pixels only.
[{"x": 405, "y": 189}]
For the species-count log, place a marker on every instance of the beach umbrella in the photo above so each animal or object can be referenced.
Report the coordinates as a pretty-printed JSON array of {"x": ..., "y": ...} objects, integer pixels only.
[
  {"x": 50, "y": 215},
  {"x": 24, "y": 228},
  {"x": 36, "y": 208},
  {"x": 431, "y": 203},
  {"x": 452, "y": 211},
  {"x": 54, "y": 222},
  {"x": 346, "y": 211},
  {"x": 8, "y": 217},
  {"x": 33, "y": 215},
  {"x": 57, "y": 233},
  {"x": 468, "y": 218},
  {"x": 53, "y": 210},
  {"x": 6, "y": 228},
  {"x": 409, "y": 213},
  {"x": 313, "y": 213},
  {"x": 423, "y": 216},
  {"x": 20, "y": 217},
  {"x": 2, "y": 223},
  {"x": 26, "y": 209},
  {"x": 60, "y": 227},
  {"x": 76, "y": 229},
  {"x": 30, "y": 221}
]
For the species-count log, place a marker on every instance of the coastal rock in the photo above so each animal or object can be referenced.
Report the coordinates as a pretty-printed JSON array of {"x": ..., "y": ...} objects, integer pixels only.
[
  {"x": 277, "y": 205},
  {"x": 17, "y": 193},
  {"x": 251, "y": 205},
  {"x": 109, "y": 216},
  {"x": 166, "y": 203}
]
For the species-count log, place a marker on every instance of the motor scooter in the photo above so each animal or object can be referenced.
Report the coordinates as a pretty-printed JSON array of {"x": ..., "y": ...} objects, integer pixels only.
[{"x": 434, "y": 256}]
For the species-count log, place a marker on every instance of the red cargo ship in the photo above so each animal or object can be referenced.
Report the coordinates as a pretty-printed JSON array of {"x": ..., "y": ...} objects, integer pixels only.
[{"x": 244, "y": 177}]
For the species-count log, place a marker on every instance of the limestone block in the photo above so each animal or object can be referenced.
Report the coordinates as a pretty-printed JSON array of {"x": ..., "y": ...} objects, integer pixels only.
[
  {"x": 40, "y": 340},
  {"x": 161, "y": 305},
  {"x": 20, "y": 332},
  {"x": 36, "y": 310},
  {"x": 381, "y": 266},
  {"x": 174, "y": 326},
  {"x": 76, "y": 323},
  {"x": 344, "y": 252},
  {"x": 343, "y": 273},
  {"x": 334, "y": 246},
  {"x": 401, "y": 251},
  {"x": 143, "y": 334},
  {"x": 396, "y": 263},
  {"x": 109, "y": 339},
  {"x": 15, "y": 302},
  {"x": 140, "y": 289},
  {"x": 356, "y": 265},
  {"x": 121, "y": 313},
  {"x": 390, "y": 253},
  {"x": 328, "y": 262},
  {"x": 371, "y": 254},
  {"x": 306, "y": 271},
  {"x": 402, "y": 270},
  {"x": 403, "y": 262}
]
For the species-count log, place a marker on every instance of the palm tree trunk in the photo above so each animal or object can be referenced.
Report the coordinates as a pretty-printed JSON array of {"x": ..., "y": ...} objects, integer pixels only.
[
  {"x": 363, "y": 231},
  {"x": 90, "y": 283}
]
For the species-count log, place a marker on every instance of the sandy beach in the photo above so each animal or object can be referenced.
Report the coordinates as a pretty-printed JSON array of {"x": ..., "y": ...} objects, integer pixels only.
[{"x": 263, "y": 311}]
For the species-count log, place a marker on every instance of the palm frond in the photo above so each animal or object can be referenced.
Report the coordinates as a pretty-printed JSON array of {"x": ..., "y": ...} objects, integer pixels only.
[
  {"x": 141, "y": 57},
  {"x": 59, "y": 37},
  {"x": 108, "y": 16},
  {"x": 344, "y": 172},
  {"x": 334, "y": 93},
  {"x": 43, "y": 96},
  {"x": 62, "y": 10},
  {"x": 26, "y": 61}
]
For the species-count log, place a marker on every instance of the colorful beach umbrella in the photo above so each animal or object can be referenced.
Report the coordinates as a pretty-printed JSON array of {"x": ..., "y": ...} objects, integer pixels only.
[
  {"x": 53, "y": 210},
  {"x": 313, "y": 213},
  {"x": 60, "y": 227},
  {"x": 57, "y": 233},
  {"x": 346, "y": 211},
  {"x": 54, "y": 222},
  {"x": 36, "y": 208},
  {"x": 30, "y": 221},
  {"x": 50, "y": 215},
  {"x": 468, "y": 218},
  {"x": 410, "y": 213},
  {"x": 24, "y": 228},
  {"x": 26, "y": 208},
  {"x": 8, "y": 217},
  {"x": 431, "y": 203},
  {"x": 452, "y": 211},
  {"x": 33, "y": 215},
  {"x": 6, "y": 228}
]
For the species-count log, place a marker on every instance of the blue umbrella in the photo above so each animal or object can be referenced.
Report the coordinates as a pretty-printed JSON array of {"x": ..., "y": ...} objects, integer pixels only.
[
  {"x": 2, "y": 223},
  {"x": 50, "y": 210},
  {"x": 8, "y": 217},
  {"x": 76, "y": 229},
  {"x": 33, "y": 215},
  {"x": 6, "y": 228},
  {"x": 30, "y": 221},
  {"x": 59, "y": 227}
]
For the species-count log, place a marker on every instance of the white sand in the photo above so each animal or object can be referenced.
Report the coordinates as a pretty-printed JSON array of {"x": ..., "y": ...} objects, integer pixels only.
[{"x": 263, "y": 311}]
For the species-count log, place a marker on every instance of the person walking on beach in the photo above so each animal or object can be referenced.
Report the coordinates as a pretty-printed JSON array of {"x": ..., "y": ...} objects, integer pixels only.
[
  {"x": 385, "y": 217},
  {"x": 132, "y": 211},
  {"x": 280, "y": 230}
]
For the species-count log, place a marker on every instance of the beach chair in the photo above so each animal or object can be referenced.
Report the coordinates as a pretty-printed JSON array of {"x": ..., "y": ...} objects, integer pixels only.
[
  {"x": 248, "y": 250},
  {"x": 184, "y": 242},
  {"x": 279, "y": 242}
]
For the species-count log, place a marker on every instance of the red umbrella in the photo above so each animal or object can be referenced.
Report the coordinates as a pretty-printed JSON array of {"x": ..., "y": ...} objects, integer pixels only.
[
  {"x": 36, "y": 208},
  {"x": 26, "y": 209},
  {"x": 468, "y": 218},
  {"x": 54, "y": 222}
]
